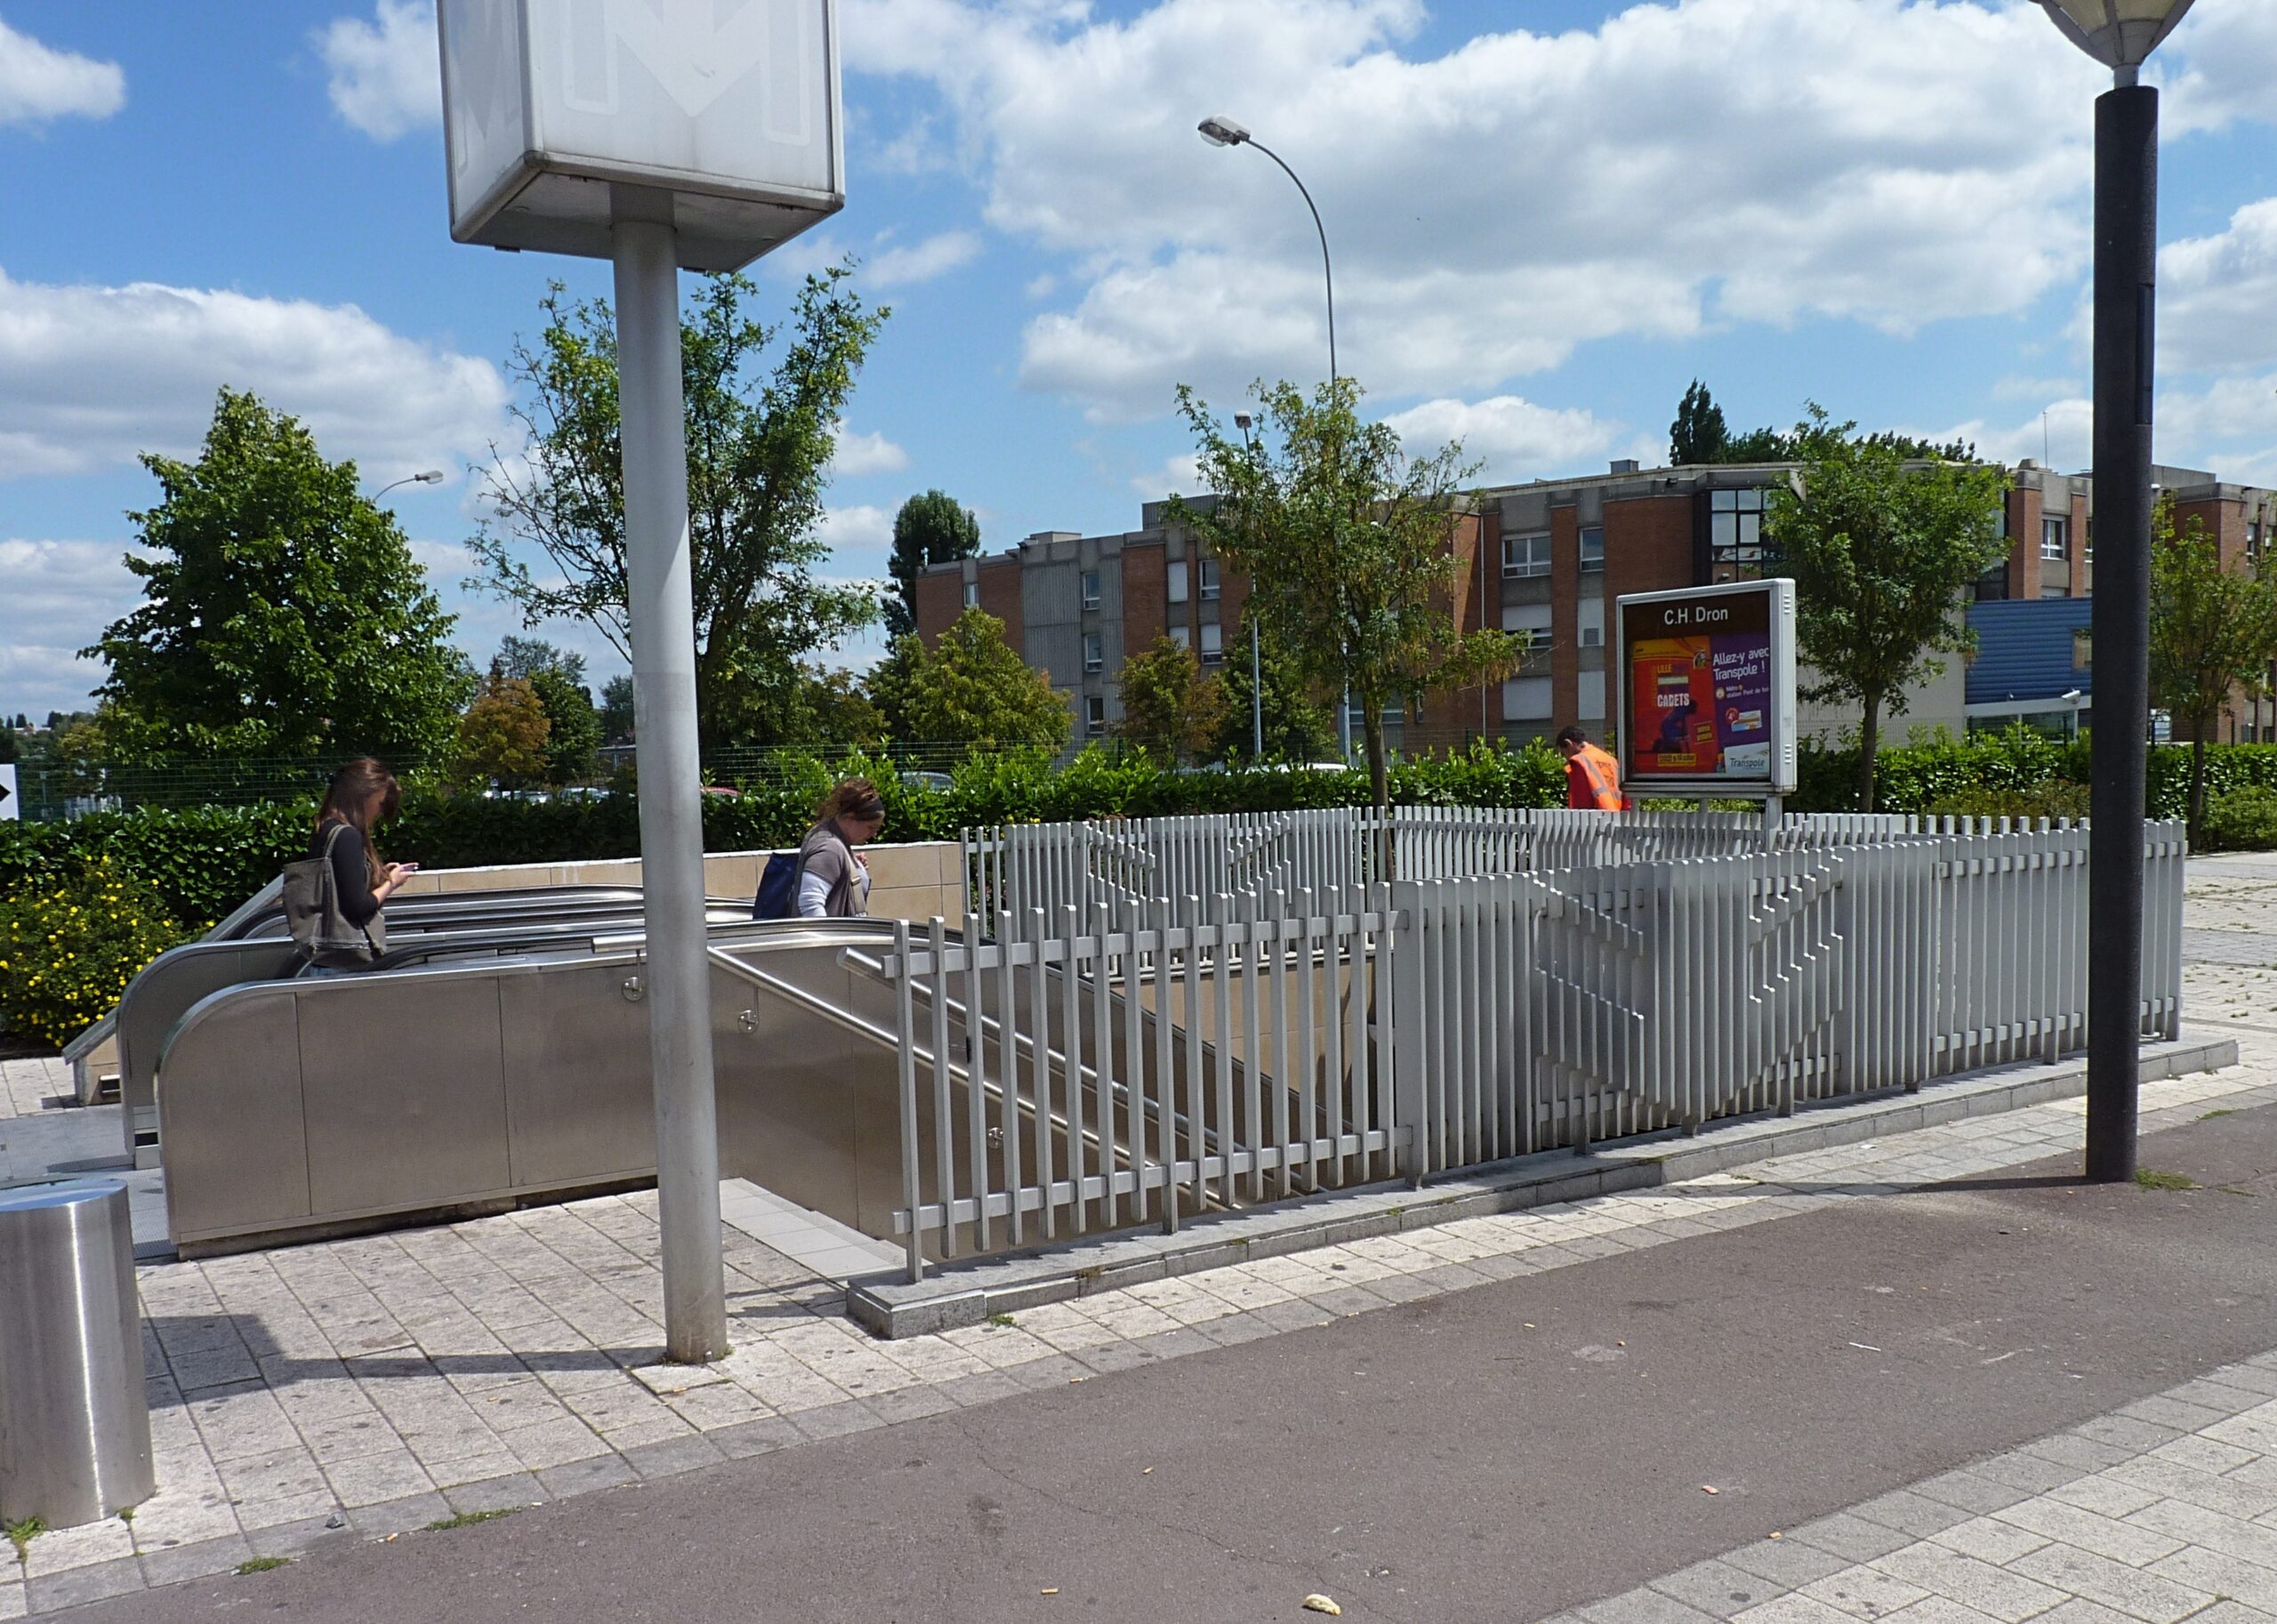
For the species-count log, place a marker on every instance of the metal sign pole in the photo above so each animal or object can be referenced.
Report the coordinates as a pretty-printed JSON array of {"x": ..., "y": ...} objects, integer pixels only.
[{"x": 657, "y": 583}]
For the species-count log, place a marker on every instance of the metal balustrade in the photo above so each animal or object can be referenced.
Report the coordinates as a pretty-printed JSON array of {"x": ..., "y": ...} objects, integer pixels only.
[{"x": 1124, "y": 1059}]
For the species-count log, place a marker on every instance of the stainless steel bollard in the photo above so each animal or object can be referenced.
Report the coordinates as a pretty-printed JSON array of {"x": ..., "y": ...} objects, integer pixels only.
[{"x": 75, "y": 1422}]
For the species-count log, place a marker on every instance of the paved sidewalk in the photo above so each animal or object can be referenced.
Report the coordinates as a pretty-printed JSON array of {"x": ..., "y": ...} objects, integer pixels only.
[
  {"x": 2161, "y": 1511},
  {"x": 378, "y": 1384},
  {"x": 371, "y": 1386}
]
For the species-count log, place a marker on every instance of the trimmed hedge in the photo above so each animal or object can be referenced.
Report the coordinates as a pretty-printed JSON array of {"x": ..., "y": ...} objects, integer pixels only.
[
  {"x": 205, "y": 861},
  {"x": 195, "y": 865}
]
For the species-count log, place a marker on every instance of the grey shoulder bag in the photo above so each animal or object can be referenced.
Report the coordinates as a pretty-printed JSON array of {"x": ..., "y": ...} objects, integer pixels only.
[{"x": 312, "y": 910}]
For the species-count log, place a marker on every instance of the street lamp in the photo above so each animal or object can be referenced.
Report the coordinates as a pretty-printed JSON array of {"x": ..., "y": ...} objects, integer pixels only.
[
  {"x": 2119, "y": 34},
  {"x": 1256, "y": 686},
  {"x": 433, "y": 476},
  {"x": 1221, "y": 131}
]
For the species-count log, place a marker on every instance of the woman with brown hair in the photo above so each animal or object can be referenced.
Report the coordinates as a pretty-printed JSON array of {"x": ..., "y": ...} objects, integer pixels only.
[
  {"x": 833, "y": 878},
  {"x": 362, "y": 793}
]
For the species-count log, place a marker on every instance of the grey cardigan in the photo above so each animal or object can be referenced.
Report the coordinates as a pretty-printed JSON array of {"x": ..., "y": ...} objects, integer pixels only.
[{"x": 827, "y": 856}]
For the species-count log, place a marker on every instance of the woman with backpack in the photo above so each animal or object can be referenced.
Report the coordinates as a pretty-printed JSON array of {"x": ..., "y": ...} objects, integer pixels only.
[
  {"x": 833, "y": 876},
  {"x": 343, "y": 931}
]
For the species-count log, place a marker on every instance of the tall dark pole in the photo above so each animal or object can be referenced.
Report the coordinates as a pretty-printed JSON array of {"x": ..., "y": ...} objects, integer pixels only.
[{"x": 2127, "y": 215}]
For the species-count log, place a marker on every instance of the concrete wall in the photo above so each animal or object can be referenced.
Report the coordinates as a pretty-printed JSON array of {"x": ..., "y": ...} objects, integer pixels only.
[{"x": 912, "y": 882}]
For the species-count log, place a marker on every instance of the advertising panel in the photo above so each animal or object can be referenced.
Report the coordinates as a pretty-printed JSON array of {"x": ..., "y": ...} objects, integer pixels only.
[{"x": 1708, "y": 689}]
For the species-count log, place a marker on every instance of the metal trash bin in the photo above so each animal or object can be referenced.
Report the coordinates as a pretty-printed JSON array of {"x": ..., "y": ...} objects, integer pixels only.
[{"x": 75, "y": 1422}]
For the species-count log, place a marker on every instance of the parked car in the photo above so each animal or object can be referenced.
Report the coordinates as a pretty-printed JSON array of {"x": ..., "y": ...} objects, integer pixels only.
[{"x": 919, "y": 780}]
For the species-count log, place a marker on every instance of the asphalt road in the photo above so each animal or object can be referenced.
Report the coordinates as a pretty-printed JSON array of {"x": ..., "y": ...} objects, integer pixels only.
[{"x": 1498, "y": 1454}]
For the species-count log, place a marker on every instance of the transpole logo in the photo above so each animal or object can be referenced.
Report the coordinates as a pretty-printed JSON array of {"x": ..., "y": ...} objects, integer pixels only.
[{"x": 695, "y": 56}]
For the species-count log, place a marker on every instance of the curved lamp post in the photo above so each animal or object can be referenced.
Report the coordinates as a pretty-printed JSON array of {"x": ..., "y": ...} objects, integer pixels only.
[
  {"x": 433, "y": 476},
  {"x": 1221, "y": 132},
  {"x": 2119, "y": 34}
]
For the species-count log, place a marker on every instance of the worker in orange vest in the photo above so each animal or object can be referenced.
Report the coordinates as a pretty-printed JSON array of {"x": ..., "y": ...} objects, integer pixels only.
[{"x": 1592, "y": 776}]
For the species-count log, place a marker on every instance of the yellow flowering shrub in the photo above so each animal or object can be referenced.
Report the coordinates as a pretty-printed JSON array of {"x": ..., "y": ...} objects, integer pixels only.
[{"x": 70, "y": 944}]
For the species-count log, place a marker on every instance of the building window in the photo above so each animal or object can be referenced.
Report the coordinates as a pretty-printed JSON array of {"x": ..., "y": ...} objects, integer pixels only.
[
  {"x": 1525, "y": 555},
  {"x": 1590, "y": 695},
  {"x": 1589, "y": 623},
  {"x": 1177, "y": 593},
  {"x": 972, "y": 594},
  {"x": 1181, "y": 636},
  {"x": 1094, "y": 716},
  {"x": 1090, "y": 589},
  {"x": 1993, "y": 585},
  {"x": 2252, "y": 539},
  {"x": 1735, "y": 545},
  {"x": 2054, "y": 543},
  {"x": 1205, "y": 574},
  {"x": 2055, "y": 591},
  {"x": 2087, "y": 539},
  {"x": 1532, "y": 622},
  {"x": 1527, "y": 699},
  {"x": 1592, "y": 547},
  {"x": 2083, "y": 649},
  {"x": 1094, "y": 656},
  {"x": 1213, "y": 643}
]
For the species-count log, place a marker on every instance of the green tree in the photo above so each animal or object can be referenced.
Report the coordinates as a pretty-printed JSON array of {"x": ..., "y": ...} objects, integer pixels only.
[
  {"x": 526, "y": 656},
  {"x": 2213, "y": 635},
  {"x": 503, "y": 735},
  {"x": 557, "y": 676},
  {"x": 1349, "y": 545},
  {"x": 573, "y": 727},
  {"x": 1297, "y": 726},
  {"x": 1882, "y": 554},
  {"x": 970, "y": 688},
  {"x": 1171, "y": 709},
  {"x": 282, "y": 614},
  {"x": 759, "y": 451},
  {"x": 831, "y": 708},
  {"x": 933, "y": 528},
  {"x": 1698, "y": 435},
  {"x": 616, "y": 708}
]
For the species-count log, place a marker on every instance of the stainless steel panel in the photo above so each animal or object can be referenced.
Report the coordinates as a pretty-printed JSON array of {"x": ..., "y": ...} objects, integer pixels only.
[
  {"x": 404, "y": 1090},
  {"x": 578, "y": 1100},
  {"x": 158, "y": 999},
  {"x": 229, "y": 1114},
  {"x": 75, "y": 1426}
]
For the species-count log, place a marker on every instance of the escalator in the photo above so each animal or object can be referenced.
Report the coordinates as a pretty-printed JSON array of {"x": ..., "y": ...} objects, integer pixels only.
[{"x": 474, "y": 1071}]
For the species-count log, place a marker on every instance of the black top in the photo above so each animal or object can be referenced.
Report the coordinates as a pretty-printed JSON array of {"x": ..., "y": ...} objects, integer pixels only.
[{"x": 349, "y": 877}]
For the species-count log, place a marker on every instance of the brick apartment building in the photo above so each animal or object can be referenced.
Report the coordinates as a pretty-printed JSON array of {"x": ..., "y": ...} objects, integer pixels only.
[{"x": 1558, "y": 552}]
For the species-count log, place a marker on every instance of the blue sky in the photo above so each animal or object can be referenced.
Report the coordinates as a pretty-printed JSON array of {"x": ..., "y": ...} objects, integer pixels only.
[{"x": 1548, "y": 216}]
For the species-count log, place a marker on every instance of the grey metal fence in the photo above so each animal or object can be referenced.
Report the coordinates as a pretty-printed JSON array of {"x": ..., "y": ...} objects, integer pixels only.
[{"x": 1129, "y": 1060}]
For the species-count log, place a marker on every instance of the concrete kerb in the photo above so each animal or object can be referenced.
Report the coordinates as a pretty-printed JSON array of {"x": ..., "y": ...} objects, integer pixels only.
[{"x": 955, "y": 1295}]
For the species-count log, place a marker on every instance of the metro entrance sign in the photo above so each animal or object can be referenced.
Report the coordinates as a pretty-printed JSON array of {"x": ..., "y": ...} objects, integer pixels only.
[
  {"x": 662, "y": 135},
  {"x": 1707, "y": 678},
  {"x": 549, "y": 105}
]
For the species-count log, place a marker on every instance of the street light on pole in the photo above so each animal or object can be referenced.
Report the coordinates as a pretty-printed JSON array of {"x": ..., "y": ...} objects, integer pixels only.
[
  {"x": 433, "y": 476},
  {"x": 1256, "y": 686},
  {"x": 1222, "y": 131},
  {"x": 2119, "y": 34}
]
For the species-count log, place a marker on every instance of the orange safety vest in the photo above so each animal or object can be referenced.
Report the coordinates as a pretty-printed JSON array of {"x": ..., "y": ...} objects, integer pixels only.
[{"x": 1593, "y": 781}]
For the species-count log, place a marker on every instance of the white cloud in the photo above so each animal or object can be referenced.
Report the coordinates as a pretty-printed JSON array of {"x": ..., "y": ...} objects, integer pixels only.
[
  {"x": 2226, "y": 50},
  {"x": 1492, "y": 207},
  {"x": 387, "y": 77},
  {"x": 1514, "y": 438},
  {"x": 59, "y": 597},
  {"x": 860, "y": 540},
  {"x": 38, "y": 83},
  {"x": 2218, "y": 295},
  {"x": 1180, "y": 476},
  {"x": 91, "y": 375},
  {"x": 2067, "y": 443},
  {"x": 935, "y": 256},
  {"x": 865, "y": 453}
]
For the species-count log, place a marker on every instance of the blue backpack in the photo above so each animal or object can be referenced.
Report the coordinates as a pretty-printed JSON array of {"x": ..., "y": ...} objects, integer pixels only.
[{"x": 779, "y": 888}]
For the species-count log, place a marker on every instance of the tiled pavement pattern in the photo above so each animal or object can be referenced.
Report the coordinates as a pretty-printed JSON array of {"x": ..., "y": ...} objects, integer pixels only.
[
  {"x": 2163, "y": 1510},
  {"x": 359, "y": 1388},
  {"x": 368, "y": 1387},
  {"x": 29, "y": 1087}
]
